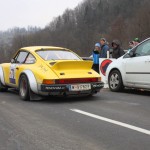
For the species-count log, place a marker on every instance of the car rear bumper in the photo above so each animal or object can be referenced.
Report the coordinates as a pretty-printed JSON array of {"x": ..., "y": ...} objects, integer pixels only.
[{"x": 64, "y": 89}]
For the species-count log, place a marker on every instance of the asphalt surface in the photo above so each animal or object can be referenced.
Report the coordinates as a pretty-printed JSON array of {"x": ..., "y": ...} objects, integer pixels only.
[{"x": 106, "y": 121}]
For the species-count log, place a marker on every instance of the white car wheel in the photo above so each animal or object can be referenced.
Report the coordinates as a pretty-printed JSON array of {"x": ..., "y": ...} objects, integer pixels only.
[{"x": 115, "y": 81}]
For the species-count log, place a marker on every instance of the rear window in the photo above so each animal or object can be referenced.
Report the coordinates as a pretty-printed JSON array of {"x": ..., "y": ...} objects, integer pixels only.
[{"x": 57, "y": 55}]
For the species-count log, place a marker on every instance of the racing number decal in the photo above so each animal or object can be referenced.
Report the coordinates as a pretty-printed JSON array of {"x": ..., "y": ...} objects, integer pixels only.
[
  {"x": 104, "y": 66},
  {"x": 12, "y": 75}
]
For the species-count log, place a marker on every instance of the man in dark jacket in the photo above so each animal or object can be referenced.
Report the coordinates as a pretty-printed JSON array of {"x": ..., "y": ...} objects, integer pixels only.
[
  {"x": 117, "y": 50},
  {"x": 104, "y": 48}
]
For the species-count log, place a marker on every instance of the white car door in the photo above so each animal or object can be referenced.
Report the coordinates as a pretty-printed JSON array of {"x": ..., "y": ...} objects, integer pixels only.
[{"x": 137, "y": 68}]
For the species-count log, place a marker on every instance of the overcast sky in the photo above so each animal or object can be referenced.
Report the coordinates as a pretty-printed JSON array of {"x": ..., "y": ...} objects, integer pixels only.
[{"x": 23, "y": 13}]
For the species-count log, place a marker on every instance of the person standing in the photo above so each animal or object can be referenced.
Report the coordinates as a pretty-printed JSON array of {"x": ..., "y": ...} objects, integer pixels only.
[
  {"x": 96, "y": 56},
  {"x": 117, "y": 51},
  {"x": 131, "y": 45},
  {"x": 104, "y": 48}
]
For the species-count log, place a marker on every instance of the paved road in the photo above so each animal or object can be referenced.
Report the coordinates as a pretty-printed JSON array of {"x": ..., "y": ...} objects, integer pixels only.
[{"x": 107, "y": 121}]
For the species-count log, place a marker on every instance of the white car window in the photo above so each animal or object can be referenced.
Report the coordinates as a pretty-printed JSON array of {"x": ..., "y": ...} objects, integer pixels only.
[
  {"x": 143, "y": 49},
  {"x": 57, "y": 55}
]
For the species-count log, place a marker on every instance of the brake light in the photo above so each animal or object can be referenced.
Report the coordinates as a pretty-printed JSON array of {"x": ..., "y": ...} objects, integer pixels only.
[{"x": 77, "y": 80}]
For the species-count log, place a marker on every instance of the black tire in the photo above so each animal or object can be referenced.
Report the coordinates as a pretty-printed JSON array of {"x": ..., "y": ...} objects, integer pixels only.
[
  {"x": 115, "y": 81},
  {"x": 24, "y": 88},
  {"x": 3, "y": 88}
]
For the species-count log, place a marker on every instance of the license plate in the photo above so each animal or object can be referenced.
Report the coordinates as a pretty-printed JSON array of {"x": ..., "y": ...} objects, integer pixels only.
[{"x": 80, "y": 87}]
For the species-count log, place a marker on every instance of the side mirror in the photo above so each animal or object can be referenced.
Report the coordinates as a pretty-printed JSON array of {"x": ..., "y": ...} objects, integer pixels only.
[{"x": 12, "y": 60}]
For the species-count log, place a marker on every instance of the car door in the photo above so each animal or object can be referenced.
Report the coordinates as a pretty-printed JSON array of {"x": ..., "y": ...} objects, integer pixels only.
[
  {"x": 137, "y": 68},
  {"x": 15, "y": 65}
]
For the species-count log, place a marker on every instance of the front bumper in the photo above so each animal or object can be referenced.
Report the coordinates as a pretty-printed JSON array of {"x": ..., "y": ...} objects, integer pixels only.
[{"x": 64, "y": 89}]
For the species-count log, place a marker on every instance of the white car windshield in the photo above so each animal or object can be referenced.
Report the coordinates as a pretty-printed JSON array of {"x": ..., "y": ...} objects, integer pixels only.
[{"x": 57, "y": 55}]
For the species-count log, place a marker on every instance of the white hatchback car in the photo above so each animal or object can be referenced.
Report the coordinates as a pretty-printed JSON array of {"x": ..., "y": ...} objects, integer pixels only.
[{"x": 131, "y": 70}]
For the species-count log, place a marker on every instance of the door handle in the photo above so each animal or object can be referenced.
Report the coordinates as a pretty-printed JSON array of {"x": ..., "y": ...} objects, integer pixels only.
[{"x": 17, "y": 68}]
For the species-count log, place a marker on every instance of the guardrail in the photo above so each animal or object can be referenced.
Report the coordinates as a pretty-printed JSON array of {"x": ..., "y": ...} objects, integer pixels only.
[{"x": 108, "y": 55}]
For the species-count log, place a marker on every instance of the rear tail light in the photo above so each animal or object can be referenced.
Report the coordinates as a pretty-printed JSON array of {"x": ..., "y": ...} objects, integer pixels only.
[
  {"x": 77, "y": 80},
  {"x": 48, "y": 81},
  {"x": 69, "y": 81},
  {"x": 99, "y": 79}
]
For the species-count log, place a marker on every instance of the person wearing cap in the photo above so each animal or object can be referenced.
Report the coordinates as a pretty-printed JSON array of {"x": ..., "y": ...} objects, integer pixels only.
[
  {"x": 104, "y": 48},
  {"x": 136, "y": 41},
  {"x": 117, "y": 50},
  {"x": 96, "y": 55},
  {"x": 133, "y": 43}
]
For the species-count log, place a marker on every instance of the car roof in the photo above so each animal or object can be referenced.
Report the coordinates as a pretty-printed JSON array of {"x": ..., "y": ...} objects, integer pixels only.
[{"x": 34, "y": 48}]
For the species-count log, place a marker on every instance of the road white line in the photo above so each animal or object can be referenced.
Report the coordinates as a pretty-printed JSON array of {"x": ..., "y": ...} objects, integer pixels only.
[{"x": 113, "y": 121}]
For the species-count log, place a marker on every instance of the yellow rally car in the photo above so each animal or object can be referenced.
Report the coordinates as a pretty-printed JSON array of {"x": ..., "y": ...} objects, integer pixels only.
[{"x": 46, "y": 70}]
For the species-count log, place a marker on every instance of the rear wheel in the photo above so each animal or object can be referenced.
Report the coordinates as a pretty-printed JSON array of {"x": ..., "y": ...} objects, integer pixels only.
[
  {"x": 24, "y": 88},
  {"x": 115, "y": 81}
]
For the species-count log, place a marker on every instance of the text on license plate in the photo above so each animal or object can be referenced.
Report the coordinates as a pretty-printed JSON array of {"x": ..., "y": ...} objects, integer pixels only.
[{"x": 80, "y": 87}]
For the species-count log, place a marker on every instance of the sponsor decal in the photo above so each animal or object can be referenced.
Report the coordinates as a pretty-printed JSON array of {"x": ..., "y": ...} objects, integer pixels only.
[
  {"x": 54, "y": 88},
  {"x": 98, "y": 85},
  {"x": 12, "y": 81},
  {"x": 42, "y": 68}
]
